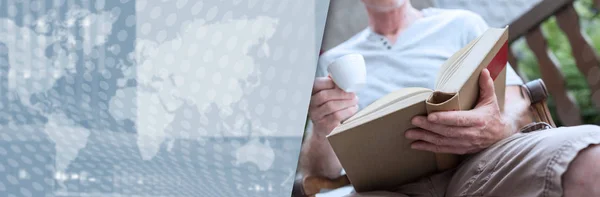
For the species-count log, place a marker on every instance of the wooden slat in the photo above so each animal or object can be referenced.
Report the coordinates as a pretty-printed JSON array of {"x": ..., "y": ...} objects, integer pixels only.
[
  {"x": 586, "y": 58},
  {"x": 534, "y": 17},
  {"x": 568, "y": 111}
]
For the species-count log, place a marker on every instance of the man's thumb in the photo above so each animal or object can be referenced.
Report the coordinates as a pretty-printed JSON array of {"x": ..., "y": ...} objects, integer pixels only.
[{"x": 486, "y": 86}]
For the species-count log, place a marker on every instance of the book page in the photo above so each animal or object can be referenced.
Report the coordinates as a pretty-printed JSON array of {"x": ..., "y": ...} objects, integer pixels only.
[
  {"x": 452, "y": 63},
  {"x": 472, "y": 61},
  {"x": 387, "y": 100},
  {"x": 463, "y": 84}
]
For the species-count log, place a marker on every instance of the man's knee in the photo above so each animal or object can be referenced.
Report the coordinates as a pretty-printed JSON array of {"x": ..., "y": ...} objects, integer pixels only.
[{"x": 583, "y": 175}]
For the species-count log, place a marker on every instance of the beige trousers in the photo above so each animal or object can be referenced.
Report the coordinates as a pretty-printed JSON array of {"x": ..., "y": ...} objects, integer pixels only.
[{"x": 525, "y": 164}]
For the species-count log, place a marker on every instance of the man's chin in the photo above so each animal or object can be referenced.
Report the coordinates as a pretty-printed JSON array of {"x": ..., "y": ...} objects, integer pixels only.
[{"x": 378, "y": 7}]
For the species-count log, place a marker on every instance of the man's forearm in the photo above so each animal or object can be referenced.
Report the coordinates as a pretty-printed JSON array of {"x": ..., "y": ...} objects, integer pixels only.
[
  {"x": 317, "y": 158},
  {"x": 516, "y": 108}
]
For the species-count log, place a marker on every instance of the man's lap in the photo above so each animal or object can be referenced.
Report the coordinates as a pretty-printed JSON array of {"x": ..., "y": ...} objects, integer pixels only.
[{"x": 525, "y": 164}]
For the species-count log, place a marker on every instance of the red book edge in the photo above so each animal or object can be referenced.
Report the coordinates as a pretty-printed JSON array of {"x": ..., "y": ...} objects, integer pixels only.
[{"x": 499, "y": 62}]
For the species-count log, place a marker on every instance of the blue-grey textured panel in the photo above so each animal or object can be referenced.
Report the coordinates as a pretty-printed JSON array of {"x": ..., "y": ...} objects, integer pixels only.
[{"x": 154, "y": 98}]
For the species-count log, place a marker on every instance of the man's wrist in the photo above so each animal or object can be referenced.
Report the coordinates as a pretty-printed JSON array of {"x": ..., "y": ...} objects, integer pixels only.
[
  {"x": 318, "y": 136},
  {"x": 320, "y": 132},
  {"x": 510, "y": 123},
  {"x": 517, "y": 114},
  {"x": 513, "y": 127}
]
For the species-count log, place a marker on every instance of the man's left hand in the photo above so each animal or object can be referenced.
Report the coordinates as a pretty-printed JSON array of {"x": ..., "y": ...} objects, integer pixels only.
[{"x": 462, "y": 132}]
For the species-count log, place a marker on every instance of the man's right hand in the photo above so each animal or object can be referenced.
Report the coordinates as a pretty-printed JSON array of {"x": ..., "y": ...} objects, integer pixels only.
[{"x": 329, "y": 106}]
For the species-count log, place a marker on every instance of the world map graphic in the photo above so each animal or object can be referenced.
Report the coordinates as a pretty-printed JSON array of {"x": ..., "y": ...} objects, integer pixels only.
[{"x": 96, "y": 98}]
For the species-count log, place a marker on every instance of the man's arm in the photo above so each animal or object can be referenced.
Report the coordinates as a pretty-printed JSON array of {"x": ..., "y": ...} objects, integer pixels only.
[
  {"x": 317, "y": 157},
  {"x": 329, "y": 105},
  {"x": 517, "y": 112}
]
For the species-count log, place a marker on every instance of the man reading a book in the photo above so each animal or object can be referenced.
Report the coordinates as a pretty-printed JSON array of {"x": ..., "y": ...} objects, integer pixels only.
[{"x": 405, "y": 47}]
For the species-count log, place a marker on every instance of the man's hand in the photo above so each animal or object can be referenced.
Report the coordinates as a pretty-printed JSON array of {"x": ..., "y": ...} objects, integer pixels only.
[
  {"x": 463, "y": 132},
  {"x": 329, "y": 106}
]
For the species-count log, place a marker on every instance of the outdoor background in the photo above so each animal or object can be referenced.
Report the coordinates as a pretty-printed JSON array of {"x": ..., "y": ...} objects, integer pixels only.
[{"x": 558, "y": 43}]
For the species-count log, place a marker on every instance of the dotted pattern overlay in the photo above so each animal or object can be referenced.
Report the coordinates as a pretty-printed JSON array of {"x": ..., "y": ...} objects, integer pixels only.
[{"x": 154, "y": 98}]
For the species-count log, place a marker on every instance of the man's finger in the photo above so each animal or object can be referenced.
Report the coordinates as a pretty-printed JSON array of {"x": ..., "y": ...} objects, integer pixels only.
[
  {"x": 341, "y": 115},
  {"x": 426, "y": 146},
  {"x": 332, "y": 107},
  {"x": 322, "y": 83},
  {"x": 434, "y": 138},
  {"x": 441, "y": 129},
  {"x": 486, "y": 87},
  {"x": 324, "y": 96},
  {"x": 457, "y": 118}
]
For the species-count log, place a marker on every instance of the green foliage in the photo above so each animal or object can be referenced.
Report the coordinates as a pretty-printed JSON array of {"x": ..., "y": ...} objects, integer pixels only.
[{"x": 559, "y": 45}]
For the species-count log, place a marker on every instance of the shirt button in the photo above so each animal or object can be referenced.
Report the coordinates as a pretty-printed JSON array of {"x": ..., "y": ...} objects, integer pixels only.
[{"x": 389, "y": 47}]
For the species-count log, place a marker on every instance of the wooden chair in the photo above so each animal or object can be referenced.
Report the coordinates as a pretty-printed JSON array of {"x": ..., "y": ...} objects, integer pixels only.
[{"x": 535, "y": 91}]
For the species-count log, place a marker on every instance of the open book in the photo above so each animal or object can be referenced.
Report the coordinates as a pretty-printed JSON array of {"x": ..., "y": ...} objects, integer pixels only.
[{"x": 371, "y": 145}]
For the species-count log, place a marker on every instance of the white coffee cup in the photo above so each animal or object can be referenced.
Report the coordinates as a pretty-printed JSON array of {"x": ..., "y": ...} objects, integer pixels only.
[{"x": 349, "y": 72}]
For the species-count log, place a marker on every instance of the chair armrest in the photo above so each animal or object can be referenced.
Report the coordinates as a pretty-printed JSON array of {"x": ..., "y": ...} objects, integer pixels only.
[
  {"x": 309, "y": 186},
  {"x": 537, "y": 93}
]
